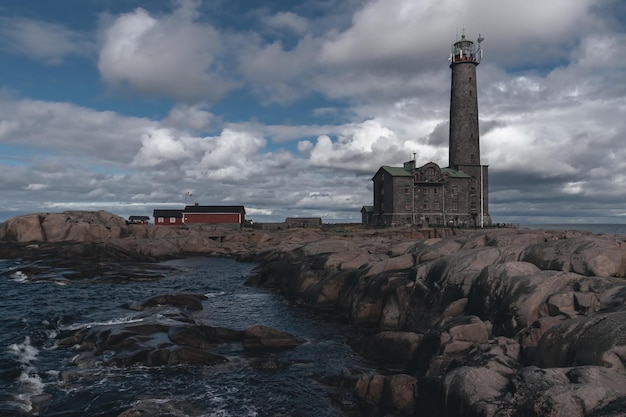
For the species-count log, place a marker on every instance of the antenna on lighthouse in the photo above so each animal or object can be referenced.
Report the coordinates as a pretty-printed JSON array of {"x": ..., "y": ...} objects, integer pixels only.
[{"x": 480, "y": 49}]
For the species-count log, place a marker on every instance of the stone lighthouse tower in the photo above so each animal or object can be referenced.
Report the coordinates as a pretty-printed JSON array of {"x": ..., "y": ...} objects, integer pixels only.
[{"x": 464, "y": 140}]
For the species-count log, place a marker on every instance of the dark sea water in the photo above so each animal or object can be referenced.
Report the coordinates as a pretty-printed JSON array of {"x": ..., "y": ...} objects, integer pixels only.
[{"x": 35, "y": 313}]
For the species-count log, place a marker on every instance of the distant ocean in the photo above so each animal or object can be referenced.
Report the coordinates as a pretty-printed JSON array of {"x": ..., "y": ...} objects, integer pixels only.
[{"x": 607, "y": 229}]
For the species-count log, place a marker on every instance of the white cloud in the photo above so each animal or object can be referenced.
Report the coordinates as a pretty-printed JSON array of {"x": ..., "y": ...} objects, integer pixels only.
[
  {"x": 232, "y": 157},
  {"x": 42, "y": 41},
  {"x": 191, "y": 118},
  {"x": 160, "y": 146},
  {"x": 386, "y": 32},
  {"x": 65, "y": 128},
  {"x": 287, "y": 21},
  {"x": 36, "y": 187},
  {"x": 173, "y": 56}
]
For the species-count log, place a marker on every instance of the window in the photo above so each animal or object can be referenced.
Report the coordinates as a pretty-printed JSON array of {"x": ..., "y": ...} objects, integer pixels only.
[
  {"x": 425, "y": 207},
  {"x": 160, "y": 219},
  {"x": 435, "y": 191},
  {"x": 172, "y": 219},
  {"x": 455, "y": 190},
  {"x": 407, "y": 207},
  {"x": 407, "y": 190},
  {"x": 455, "y": 206},
  {"x": 436, "y": 206},
  {"x": 430, "y": 174}
]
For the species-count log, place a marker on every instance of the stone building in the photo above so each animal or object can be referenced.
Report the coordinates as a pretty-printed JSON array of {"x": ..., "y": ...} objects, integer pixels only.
[{"x": 429, "y": 195}]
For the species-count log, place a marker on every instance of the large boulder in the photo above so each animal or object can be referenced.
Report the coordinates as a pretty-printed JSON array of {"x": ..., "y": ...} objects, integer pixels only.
[
  {"x": 473, "y": 392},
  {"x": 599, "y": 339},
  {"x": 393, "y": 349},
  {"x": 588, "y": 255},
  {"x": 79, "y": 226},
  {"x": 266, "y": 338},
  {"x": 380, "y": 395},
  {"x": 572, "y": 392}
]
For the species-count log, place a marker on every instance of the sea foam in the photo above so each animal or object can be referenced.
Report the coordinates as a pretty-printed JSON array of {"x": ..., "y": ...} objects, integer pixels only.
[{"x": 29, "y": 382}]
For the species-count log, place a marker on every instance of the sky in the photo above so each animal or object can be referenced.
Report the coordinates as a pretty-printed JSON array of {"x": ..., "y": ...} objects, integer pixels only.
[{"x": 289, "y": 107}]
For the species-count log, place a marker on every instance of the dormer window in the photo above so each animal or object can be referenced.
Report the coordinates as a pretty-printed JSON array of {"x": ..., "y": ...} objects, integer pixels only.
[{"x": 430, "y": 174}]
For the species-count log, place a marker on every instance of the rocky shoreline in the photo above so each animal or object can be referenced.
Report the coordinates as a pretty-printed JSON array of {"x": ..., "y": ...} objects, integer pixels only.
[{"x": 498, "y": 322}]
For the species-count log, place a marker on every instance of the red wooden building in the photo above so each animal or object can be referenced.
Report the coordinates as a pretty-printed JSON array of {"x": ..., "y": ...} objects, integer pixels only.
[
  {"x": 225, "y": 215},
  {"x": 167, "y": 217},
  {"x": 214, "y": 214}
]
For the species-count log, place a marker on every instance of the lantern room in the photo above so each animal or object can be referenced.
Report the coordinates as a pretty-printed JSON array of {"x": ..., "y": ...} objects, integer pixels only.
[{"x": 465, "y": 51}]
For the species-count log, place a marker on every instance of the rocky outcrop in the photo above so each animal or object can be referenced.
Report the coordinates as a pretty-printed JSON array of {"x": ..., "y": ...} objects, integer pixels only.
[
  {"x": 504, "y": 322},
  {"x": 80, "y": 226},
  {"x": 488, "y": 323},
  {"x": 167, "y": 336}
]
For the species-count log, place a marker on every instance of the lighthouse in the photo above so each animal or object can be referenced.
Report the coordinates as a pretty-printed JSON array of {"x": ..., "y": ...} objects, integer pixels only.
[
  {"x": 430, "y": 195},
  {"x": 464, "y": 140}
]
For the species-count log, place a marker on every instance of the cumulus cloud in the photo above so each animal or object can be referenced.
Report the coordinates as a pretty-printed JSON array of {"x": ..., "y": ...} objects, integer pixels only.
[
  {"x": 230, "y": 157},
  {"x": 191, "y": 118},
  {"x": 42, "y": 41},
  {"x": 158, "y": 147},
  {"x": 287, "y": 21},
  {"x": 172, "y": 56},
  {"x": 416, "y": 31}
]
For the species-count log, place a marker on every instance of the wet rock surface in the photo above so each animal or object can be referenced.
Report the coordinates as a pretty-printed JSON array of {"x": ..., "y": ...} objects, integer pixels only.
[{"x": 168, "y": 336}]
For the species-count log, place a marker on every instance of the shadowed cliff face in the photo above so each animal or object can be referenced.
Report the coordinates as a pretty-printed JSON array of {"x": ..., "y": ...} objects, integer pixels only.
[{"x": 504, "y": 322}]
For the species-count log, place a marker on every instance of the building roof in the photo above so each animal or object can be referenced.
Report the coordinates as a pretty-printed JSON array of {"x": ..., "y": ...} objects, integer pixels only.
[
  {"x": 454, "y": 173},
  {"x": 367, "y": 209},
  {"x": 214, "y": 209},
  {"x": 402, "y": 172},
  {"x": 396, "y": 171},
  {"x": 139, "y": 218},
  {"x": 167, "y": 213}
]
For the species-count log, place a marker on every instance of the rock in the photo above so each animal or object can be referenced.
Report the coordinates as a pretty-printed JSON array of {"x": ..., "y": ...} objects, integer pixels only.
[
  {"x": 23, "y": 229},
  {"x": 588, "y": 255},
  {"x": 79, "y": 226},
  {"x": 473, "y": 392},
  {"x": 202, "y": 336},
  {"x": 576, "y": 392},
  {"x": 399, "y": 394},
  {"x": 386, "y": 395},
  {"x": 159, "y": 408},
  {"x": 392, "y": 264},
  {"x": 596, "y": 340},
  {"x": 456, "y": 308},
  {"x": 393, "y": 349},
  {"x": 514, "y": 295},
  {"x": 193, "y": 356},
  {"x": 369, "y": 391},
  {"x": 266, "y": 338},
  {"x": 327, "y": 246},
  {"x": 397, "y": 304},
  {"x": 432, "y": 249}
]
